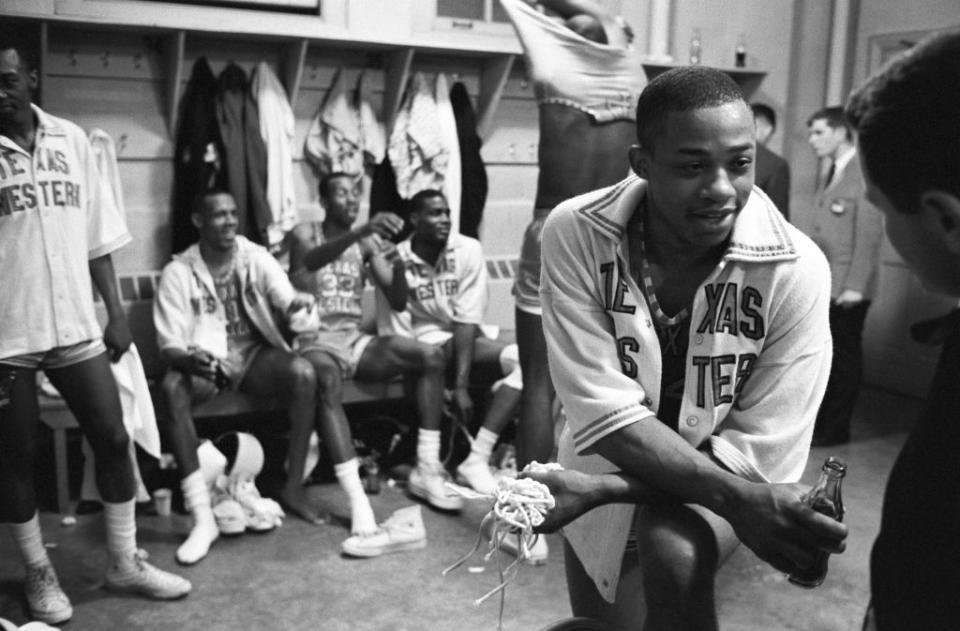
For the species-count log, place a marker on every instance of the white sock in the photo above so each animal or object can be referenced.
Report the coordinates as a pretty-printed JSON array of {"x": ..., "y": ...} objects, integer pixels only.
[
  {"x": 120, "y": 518},
  {"x": 428, "y": 446},
  {"x": 29, "y": 541},
  {"x": 196, "y": 497},
  {"x": 362, "y": 519},
  {"x": 482, "y": 446}
]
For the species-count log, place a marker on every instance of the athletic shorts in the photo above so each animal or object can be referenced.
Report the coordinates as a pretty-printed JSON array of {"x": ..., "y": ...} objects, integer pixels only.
[
  {"x": 345, "y": 346},
  {"x": 526, "y": 289},
  {"x": 59, "y": 357}
]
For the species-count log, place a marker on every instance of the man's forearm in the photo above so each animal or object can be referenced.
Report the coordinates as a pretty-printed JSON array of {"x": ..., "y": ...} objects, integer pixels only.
[
  {"x": 329, "y": 251},
  {"x": 652, "y": 452},
  {"x": 105, "y": 280}
]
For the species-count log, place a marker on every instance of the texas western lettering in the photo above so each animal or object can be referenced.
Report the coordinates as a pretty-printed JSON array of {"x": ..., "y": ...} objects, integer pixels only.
[
  {"x": 25, "y": 196},
  {"x": 731, "y": 310},
  {"x": 20, "y": 196}
]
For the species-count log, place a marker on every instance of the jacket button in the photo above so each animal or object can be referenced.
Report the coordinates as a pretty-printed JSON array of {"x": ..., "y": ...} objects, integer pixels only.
[
  {"x": 692, "y": 421},
  {"x": 698, "y": 339},
  {"x": 648, "y": 401}
]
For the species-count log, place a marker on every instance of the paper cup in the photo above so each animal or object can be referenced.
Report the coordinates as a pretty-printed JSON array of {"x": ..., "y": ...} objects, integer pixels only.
[{"x": 161, "y": 501}]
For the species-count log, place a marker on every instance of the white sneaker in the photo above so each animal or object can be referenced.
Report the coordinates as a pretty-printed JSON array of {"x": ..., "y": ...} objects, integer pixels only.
[
  {"x": 477, "y": 476},
  {"x": 140, "y": 577},
  {"x": 45, "y": 598},
  {"x": 428, "y": 483},
  {"x": 402, "y": 531}
]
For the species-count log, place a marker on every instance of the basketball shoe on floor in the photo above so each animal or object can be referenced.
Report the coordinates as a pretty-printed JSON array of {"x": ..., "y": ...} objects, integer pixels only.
[
  {"x": 403, "y": 530},
  {"x": 46, "y": 600},
  {"x": 139, "y": 577},
  {"x": 427, "y": 481}
]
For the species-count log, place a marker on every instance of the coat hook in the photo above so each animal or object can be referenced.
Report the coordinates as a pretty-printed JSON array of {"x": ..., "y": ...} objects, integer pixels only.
[
  {"x": 105, "y": 58},
  {"x": 138, "y": 61},
  {"x": 121, "y": 143},
  {"x": 313, "y": 71},
  {"x": 73, "y": 56}
]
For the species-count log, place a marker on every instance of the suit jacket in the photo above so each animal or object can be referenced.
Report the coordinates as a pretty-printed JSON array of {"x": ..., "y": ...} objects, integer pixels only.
[
  {"x": 773, "y": 176},
  {"x": 849, "y": 231}
]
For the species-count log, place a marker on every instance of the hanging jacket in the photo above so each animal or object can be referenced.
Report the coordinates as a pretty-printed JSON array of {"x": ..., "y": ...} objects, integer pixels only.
[
  {"x": 198, "y": 154},
  {"x": 473, "y": 180},
  {"x": 416, "y": 149},
  {"x": 345, "y": 135},
  {"x": 447, "y": 129},
  {"x": 105, "y": 153},
  {"x": 276, "y": 130},
  {"x": 245, "y": 153}
]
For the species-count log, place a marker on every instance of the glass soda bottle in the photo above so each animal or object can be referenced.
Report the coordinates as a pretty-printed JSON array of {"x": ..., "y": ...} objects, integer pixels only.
[{"x": 824, "y": 497}]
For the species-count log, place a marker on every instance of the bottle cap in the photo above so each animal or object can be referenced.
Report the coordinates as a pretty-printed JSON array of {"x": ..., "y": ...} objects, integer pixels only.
[{"x": 835, "y": 464}]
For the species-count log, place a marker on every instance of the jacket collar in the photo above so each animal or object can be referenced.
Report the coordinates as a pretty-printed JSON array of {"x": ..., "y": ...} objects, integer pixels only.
[
  {"x": 192, "y": 258},
  {"x": 47, "y": 125},
  {"x": 759, "y": 234}
]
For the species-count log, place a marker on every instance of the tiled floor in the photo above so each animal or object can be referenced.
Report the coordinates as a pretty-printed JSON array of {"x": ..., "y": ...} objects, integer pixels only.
[{"x": 294, "y": 577}]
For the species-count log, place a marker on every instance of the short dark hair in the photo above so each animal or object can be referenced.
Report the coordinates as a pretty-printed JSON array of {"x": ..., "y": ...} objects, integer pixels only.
[
  {"x": 682, "y": 90},
  {"x": 907, "y": 118},
  {"x": 762, "y": 110},
  {"x": 416, "y": 202},
  {"x": 200, "y": 201},
  {"x": 833, "y": 116},
  {"x": 324, "y": 186}
]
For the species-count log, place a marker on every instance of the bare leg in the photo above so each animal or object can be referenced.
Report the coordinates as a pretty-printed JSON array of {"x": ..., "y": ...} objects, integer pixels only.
[
  {"x": 506, "y": 400},
  {"x": 334, "y": 427},
  {"x": 535, "y": 431},
  {"x": 680, "y": 548},
  {"x": 292, "y": 378},
  {"x": 387, "y": 356},
  {"x": 18, "y": 447},
  {"x": 89, "y": 390},
  {"x": 179, "y": 430}
]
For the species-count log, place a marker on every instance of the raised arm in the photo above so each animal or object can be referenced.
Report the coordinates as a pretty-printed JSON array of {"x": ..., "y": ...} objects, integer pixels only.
[{"x": 617, "y": 32}]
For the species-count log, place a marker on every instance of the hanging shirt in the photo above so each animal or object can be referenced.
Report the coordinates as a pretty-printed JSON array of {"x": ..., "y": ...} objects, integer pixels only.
[
  {"x": 55, "y": 215},
  {"x": 105, "y": 153},
  {"x": 566, "y": 68},
  {"x": 417, "y": 150},
  {"x": 276, "y": 129},
  {"x": 447, "y": 127}
]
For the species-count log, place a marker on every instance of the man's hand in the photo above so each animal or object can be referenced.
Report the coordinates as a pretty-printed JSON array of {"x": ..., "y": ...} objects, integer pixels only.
[
  {"x": 197, "y": 362},
  {"x": 849, "y": 298},
  {"x": 300, "y": 301},
  {"x": 463, "y": 405},
  {"x": 773, "y": 521},
  {"x": 573, "y": 492},
  {"x": 386, "y": 225},
  {"x": 117, "y": 338}
]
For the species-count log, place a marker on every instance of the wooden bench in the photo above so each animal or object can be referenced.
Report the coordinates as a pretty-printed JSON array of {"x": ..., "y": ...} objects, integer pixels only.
[{"x": 55, "y": 415}]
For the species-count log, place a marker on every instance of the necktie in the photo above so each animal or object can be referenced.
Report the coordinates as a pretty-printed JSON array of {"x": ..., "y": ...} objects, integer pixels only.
[{"x": 830, "y": 174}]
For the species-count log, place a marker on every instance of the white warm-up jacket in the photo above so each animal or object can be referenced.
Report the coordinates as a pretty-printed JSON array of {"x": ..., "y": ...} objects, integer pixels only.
[{"x": 757, "y": 363}]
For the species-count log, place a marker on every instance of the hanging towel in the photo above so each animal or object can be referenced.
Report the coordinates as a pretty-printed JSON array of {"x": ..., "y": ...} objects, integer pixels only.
[
  {"x": 245, "y": 154},
  {"x": 198, "y": 157},
  {"x": 473, "y": 180},
  {"x": 334, "y": 141},
  {"x": 416, "y": 149},
  {"x": 276, "y": 129},
  {"x": 105, "y": 154},
  {"x": 447, "y": 128}
]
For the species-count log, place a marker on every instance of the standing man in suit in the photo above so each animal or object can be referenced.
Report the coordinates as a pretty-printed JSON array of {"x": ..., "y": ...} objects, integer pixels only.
[
  {"x": 772, "y": 173},
  {"x": 849, "y": 230}
]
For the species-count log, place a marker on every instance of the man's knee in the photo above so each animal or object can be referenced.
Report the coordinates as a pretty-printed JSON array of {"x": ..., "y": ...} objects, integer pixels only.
[
  {"x": 676, "y": 549},
  {"x": 110, "y": 441},
  {"x": 329, "y": 380},
  {"x": 432, "y": 359},
  {"x": 300, "y": 377}
]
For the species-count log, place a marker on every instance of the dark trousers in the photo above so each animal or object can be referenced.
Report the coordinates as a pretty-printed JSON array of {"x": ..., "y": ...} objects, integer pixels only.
[{"x": 846, "y": 372}]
